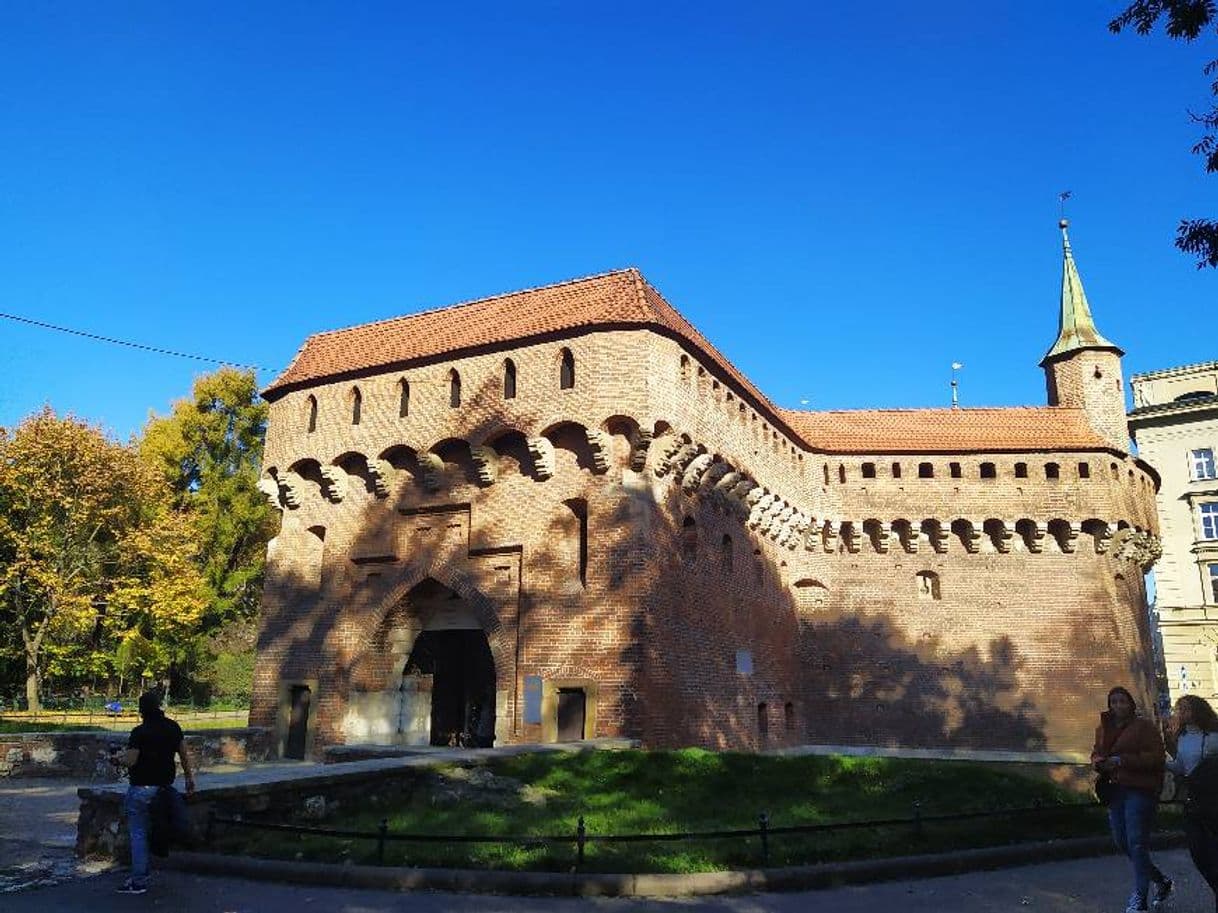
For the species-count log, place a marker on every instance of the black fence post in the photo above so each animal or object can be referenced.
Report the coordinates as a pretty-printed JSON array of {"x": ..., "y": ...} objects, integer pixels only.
[
  {"x": 917, "y": 819},
  {"x": 764, "y": 821},
  {"x": 382, "y": 830},
  {"x": 581, "y": 838}
]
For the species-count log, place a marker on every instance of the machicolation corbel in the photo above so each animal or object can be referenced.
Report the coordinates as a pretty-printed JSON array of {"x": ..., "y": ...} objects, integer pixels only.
[
  {"x": 333, "y": 484},
  {"x": 486, "y": 464},
  {"x": 638, "y": 450},
  {"x": 431, "y": 467},
  {"x": 381, "y": 472},
  {"x": 692, "y": 474},
  {"x": 601, "y": 447},
  {"x": 270, "y": 488},
  {"x": 542, "y": 452}
]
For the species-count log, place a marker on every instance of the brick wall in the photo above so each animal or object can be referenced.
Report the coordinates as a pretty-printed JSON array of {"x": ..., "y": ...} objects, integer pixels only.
[{"x": 1039, "y": 580}]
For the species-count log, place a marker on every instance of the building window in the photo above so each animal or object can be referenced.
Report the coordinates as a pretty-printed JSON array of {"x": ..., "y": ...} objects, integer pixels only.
[
  {"x": 1214, "y": 582},
  {"x": 826, "y": 473},
  {"x": 1209, "y": 520},
  {"x": 841, "y": 473},
  {"x": 689, "y": 540},
  {"x": 1052, "y": 471},
  {"x": 896, "y": 470},
  {"x": 988, "y": 471},
  {"x": 312, "y": 414},
  {"x": 926, "y": 470},
  {"x": 928, "y": 585},
  {"x": 869, "y": 470},
  {"x": 454, "y": 389},
  {"x": 788, "y": 717},
  {"x": 1203, "y": 463},
  {"x": 403, "y": 398},
  {"x": 1084, "y": 470},
  {"x": 763, "y": 724},
  {"x": 509, "y": 379},
  {"x": 685, "y": 367},
  {"x": 1021, "y": 470},
  {"x": 357, "y": 405},
  {"x": 727, "y": 557},
  {"x": 954, "y": 469},
  {"x": 566, "y": 370}
]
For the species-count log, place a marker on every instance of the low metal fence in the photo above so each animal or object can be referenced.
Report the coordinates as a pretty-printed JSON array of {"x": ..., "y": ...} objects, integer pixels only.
[{"x": 764, "y": 833}]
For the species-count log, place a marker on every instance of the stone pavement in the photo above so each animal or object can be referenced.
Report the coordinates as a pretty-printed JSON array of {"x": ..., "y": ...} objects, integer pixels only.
[{"x": 1096, "y": 885}]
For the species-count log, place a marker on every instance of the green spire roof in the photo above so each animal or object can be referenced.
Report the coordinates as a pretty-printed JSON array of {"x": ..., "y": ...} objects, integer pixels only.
[{"x": 1076, "y": 331}]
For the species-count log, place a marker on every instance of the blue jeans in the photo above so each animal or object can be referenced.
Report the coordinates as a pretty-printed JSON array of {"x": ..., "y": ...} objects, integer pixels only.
[
  {"x": 1131, "y": 816},
  {"x": 137, "y": 808}
]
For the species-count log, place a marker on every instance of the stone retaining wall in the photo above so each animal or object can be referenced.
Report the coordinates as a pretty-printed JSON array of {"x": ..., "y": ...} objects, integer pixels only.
[{"x": 85, "y": 755}]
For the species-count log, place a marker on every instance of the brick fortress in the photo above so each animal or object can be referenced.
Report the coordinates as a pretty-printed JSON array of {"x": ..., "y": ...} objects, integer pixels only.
[{"x": 562, "y": 513}]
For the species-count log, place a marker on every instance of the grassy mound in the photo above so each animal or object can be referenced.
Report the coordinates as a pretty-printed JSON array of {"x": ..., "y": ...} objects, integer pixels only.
[{"x": 635, "y": 792}]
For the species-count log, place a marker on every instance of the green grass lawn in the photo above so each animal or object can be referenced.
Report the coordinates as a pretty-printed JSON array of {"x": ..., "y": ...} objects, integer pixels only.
[
  {"x": 632, "y": 792},
  {"x": 99, "y": 722}
]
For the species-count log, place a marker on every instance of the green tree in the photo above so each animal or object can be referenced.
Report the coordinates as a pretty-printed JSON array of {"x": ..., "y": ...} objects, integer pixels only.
[
  {"x": 89, "y": 543},
  {"x": 1187, "y": 19},
  {"x": 209, "y": 451}
]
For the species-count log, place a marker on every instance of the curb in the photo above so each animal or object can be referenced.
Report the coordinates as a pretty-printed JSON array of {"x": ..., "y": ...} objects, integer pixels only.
[{"x": 570, "y": 884}]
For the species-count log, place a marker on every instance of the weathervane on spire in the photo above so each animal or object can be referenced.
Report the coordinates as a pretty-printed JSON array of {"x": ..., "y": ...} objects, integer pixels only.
[
  {"x": 956, "y": 366},
  {"x": 1063, "y": 222}
]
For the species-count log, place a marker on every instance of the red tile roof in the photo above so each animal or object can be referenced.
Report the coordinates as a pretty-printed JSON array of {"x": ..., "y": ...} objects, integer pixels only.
[
  {"x": 625, "y": 299},
  {"x": 621, "y": 298},
  {"x": 1030, "y": 428}
]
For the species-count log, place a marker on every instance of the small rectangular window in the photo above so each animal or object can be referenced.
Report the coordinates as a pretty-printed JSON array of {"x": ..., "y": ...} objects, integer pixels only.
[
  {"x": 955, "y": 468},
  {"x": 1209, "y": 520},
  {"x": 1214, "y": 582},
  {"x": 1203, "y": 464}
]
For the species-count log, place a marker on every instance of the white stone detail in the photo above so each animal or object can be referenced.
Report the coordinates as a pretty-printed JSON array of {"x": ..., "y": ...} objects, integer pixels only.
[{"x": 542, "y": 452}]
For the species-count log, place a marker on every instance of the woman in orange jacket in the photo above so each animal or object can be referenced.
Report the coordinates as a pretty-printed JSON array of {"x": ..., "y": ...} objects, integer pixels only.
[{"x": 1128, "y": 753}]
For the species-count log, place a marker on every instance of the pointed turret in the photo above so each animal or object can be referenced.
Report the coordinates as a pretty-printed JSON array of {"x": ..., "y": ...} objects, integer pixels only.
[
  {"x": 1076, "y": 327},
  {"x": 1083, "y": 369}
]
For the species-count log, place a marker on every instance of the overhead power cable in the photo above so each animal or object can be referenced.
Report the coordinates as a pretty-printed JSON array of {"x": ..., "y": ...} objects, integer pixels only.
[{"x": 131, "y": 345}]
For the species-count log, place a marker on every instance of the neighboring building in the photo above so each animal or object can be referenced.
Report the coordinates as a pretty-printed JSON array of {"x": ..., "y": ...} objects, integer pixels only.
[
  {"x": 562, "y": 513},
  {"x": 1175, "y": 424}
]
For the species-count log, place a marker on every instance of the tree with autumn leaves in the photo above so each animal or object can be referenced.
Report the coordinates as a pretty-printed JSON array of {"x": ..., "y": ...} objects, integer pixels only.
[{"x": 120, "y": 561}]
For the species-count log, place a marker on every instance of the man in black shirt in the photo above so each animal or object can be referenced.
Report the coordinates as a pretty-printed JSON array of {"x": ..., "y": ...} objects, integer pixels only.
[{"x": 149, "y": 759}]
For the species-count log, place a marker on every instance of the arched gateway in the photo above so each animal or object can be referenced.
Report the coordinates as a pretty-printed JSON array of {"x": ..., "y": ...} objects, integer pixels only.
[{"x": 430, "y": 672}]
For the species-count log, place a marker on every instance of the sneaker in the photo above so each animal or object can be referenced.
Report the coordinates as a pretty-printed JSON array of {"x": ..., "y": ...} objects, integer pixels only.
[
  {"x": 131, "y": 886},
  {"x": 1162, "y": 892}
]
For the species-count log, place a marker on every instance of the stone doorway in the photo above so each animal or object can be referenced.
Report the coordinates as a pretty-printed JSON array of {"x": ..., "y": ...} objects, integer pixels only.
[{"x": 454, "y": 671}]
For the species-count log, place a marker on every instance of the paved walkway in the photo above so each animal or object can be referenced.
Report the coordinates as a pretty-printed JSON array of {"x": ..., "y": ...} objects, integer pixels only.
[{"x": 1081, "y": 886}]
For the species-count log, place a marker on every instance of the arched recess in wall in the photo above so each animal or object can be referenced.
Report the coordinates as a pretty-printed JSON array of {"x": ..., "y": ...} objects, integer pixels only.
[
  {"x": 1060, "y": 533},
  {"x": 684, "y": 368},
  {"x": 454, "y": 389},
  {"x": 311, "y": 413},
  {"x": 727, "y": 555},
  {"x": 355, "y": 465},
  {"x": 509, "y": 379},
  {"x": 570, "y": 438},
  {"x": 810, "y": 595},
  {"x": 623, "y": 431},
  {"x": 357, "y": 405},
  {"x": 513, "y": 451},
  {"x": 404, "y": 460},
  {"x": 309, "y": 470},
  {"x": 458, "y": 463},
  {"x": 566, "y": 370}
]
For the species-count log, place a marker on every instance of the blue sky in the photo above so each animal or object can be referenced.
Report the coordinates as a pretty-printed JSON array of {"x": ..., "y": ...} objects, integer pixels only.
[{"x": 844, "y": 198}]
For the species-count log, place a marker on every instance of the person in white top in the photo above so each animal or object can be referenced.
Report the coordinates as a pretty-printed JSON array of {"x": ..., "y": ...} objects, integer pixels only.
[{"x": 1191, "y": 736}]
